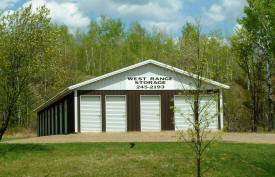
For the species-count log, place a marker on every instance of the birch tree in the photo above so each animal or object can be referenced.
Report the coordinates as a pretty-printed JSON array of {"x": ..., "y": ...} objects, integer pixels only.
[
  {"x": 250, "y": 60},
  {"x": 27, "y": 38},
  {"x": 199, "y": 118},
  {"x": 259, "y": 24}
]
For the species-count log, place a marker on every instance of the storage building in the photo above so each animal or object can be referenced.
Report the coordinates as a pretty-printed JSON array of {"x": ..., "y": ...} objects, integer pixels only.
[{"x": 142, "y": 97}]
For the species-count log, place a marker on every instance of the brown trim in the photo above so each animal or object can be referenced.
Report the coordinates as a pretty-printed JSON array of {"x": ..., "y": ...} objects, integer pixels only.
[
  {"x": 46, "y": 122},
  {"x": 70, "y": 107},
  {"x": 133, "y": 108},
  {"x": 50, "y": 120},
  {"x": 42, "y": 124},
  {"x": 58, "y": 119},
  {"x": 103, "y": 111},
  {"x": 133, "y": 111},
  {"x": 219, "y": 112},
  {"x": 38, "y": 125},
  {"x": 55, "y": 118},
  {"x": 133, "y": 105},
  {"x": 70, "y": 114},
  {"x": 41, "y": 119},
  {"x": 63, "y": 116}
]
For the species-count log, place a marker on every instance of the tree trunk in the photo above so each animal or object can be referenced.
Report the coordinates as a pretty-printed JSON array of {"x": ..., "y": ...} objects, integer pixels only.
[
  {"x": 197, "y": 129},
  {"x": 5, "y": 122},
  {"x": 270, "y": 104},
  {"x": 199, "y": 167},
  {"x": 254, "y": 91}
]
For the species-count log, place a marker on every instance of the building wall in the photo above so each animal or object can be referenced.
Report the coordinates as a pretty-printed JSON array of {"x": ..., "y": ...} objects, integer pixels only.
[
  {"x": 133, "y": 110},
  {"x": 133, "y": 106},
  {"x": 120, "y": 85},
  {"x": 48, "y": 125},
  {"x": 119, "y": 82}
]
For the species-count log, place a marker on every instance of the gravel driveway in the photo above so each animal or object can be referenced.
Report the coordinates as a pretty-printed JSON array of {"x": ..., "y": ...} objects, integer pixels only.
[{"x": 169, "y": 136}]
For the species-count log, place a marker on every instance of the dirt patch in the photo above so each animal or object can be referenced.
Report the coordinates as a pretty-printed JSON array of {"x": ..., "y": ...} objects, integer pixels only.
[
  {"x": 143, "y": 137},
  {"x": 19, "y": 132}
]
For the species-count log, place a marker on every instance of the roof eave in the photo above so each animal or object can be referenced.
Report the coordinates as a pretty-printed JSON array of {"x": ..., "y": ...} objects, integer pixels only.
[
  {"x": 209, "y": 81},
  {"x": 69, "y": 89},
  {"x": 61, "y": 94}
]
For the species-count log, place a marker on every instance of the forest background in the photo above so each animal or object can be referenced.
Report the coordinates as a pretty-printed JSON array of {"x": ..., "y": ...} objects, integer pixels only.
[{"x": 243, "y": 60}]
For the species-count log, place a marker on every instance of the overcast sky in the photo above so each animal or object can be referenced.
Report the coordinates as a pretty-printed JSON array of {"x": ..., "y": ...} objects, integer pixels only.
[{"x": 169, "y": 15}]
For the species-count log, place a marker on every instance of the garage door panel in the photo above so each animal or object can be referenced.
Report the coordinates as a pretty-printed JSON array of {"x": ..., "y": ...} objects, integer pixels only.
[
  {"x": 90, "y": 114},
  {"x": 184, "y": 112},
  {"x": 115, "y": 128},
  {"x": 150, "y": 113},
  {"x": 89, "y": 108},
  {"x": 116, "y": 113},
  {"x": 91, "y": 122},
  {"x": 88, "y": 128},
  {"x": 116, "y": 119},
  {"x": 209, "y": 110},
  {"x": 114, "y": 124}
]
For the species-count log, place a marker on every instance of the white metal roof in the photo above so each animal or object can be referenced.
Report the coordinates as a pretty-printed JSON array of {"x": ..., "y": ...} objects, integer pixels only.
[{"x": 71, "y": 88}]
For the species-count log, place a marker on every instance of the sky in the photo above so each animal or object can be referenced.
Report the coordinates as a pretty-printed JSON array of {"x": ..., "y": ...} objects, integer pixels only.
[{"x": 166, "y": 15}]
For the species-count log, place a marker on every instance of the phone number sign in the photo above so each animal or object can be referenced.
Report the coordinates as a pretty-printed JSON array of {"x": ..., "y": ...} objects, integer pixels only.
[{"x": 149, "y": 83}]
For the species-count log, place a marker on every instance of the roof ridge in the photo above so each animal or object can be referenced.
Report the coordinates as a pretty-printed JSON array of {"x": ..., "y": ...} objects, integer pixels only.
[{"x": 69, "y": 89}]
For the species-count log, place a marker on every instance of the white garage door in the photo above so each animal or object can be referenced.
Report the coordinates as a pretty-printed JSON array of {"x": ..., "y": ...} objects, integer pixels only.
[
  {"x": 150, "y": 113},
  {"x": 116, "y": 114},
  {"x": 184, "y": 115},
  {"x": 209, "y": 111},
  {"x": 90, "y": 114}
]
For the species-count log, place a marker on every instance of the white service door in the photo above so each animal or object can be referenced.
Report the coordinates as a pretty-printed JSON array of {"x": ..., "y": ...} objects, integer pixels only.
[
  {"x": 183, "y": 113},
  {"x": 184, "y": 116},
  {"x": 150, "y": 113},
  {"x": 90, "y": 114},
  {"x": 116, "y": 119}
]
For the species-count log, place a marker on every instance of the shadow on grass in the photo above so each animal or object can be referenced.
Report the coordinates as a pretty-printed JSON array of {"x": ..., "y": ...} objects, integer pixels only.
[{"x": 20, "y": 149}]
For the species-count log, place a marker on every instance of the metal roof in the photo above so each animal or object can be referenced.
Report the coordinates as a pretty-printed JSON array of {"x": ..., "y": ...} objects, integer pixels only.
[{"x": 71, "y": 88}]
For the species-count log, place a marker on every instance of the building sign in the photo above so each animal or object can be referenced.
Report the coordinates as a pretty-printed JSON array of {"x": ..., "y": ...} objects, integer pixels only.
[{"x": 149, "y": 83}]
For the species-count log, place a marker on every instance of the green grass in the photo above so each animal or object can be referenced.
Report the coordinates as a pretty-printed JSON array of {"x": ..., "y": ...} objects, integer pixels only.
[
  {"x": 145, "y": 159},
  {"x": 13, "y": 138}
]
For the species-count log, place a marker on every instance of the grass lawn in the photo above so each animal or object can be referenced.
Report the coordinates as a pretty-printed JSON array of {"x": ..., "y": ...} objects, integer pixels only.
[
  {"x": 13, "y": 138},
  {"x": 145, "y": 159}
]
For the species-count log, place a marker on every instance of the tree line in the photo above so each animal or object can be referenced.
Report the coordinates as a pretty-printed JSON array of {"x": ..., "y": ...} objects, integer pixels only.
[{"x": 38, "y": 59}]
